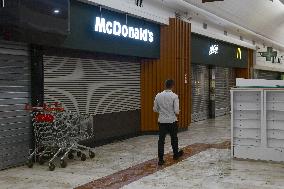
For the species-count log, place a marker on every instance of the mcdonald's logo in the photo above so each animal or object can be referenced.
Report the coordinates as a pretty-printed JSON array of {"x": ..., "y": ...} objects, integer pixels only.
[{"x": 239, "y": 53}]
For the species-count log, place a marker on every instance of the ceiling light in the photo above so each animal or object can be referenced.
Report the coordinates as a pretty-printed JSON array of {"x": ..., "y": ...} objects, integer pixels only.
[{"x": 56, "y": 11}]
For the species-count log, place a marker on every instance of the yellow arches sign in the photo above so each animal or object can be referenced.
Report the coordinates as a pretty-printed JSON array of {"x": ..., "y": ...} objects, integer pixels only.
[{"x": 239, "y": 53}]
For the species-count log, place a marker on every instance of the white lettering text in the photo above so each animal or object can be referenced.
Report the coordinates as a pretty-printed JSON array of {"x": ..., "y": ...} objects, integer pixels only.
[{"x": 115, "y": 28}]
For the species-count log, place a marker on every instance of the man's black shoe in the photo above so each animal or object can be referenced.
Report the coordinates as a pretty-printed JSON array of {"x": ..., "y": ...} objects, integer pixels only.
[
  {"x": 178, "y": 155},
  {"x": 161, "y": 162}
]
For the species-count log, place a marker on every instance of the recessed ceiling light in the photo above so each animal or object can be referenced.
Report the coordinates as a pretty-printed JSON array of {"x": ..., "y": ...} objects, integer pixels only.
[{"x": 56, "y": 11}]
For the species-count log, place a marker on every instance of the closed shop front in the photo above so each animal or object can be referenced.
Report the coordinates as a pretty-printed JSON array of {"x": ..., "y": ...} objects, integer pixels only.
[
  {"x": 97, "y": 69},
  {"x": 15, "y": 93},
  {"x": 225, "y": 80},
  {"x": 214, "y": 64},
  {"x": 200, "y": 92},
  {"x": 109, "y": 89}
]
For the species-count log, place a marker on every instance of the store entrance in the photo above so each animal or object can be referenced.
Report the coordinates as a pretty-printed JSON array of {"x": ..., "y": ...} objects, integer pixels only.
[{"x": 211, "y": 91}]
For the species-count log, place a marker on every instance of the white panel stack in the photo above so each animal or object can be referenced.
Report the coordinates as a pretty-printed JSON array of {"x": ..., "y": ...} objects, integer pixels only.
[
  {"x": 257, "y": 124},
  {"x": 275, "y": 118}
]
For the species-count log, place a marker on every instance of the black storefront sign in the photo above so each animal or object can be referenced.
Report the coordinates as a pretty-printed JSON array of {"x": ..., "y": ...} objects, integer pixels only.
[
  {"x": 93, "y": 28},
  {"x": 213, "y": 52}
]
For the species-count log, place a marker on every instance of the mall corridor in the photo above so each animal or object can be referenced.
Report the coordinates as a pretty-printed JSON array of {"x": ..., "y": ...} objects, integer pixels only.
[{"x": 90, "y": 88}]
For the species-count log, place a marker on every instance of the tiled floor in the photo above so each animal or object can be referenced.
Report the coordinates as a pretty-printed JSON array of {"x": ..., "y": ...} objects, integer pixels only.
[
  {"x": 209, "y": 169},
  {"x": 134, "y": 173},
  {"x": 214, "y": 169}
]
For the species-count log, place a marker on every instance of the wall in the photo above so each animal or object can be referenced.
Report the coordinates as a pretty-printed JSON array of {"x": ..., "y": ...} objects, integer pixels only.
[
  {"x": 217, "y": 32},
  {"x": 151, "y": 10},
  {"x": 175, "y": 63},
  {"x": 262, "y": 64}
]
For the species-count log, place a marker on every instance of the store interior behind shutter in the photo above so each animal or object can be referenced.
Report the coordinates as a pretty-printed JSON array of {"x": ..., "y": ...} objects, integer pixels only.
[
  {"x": 262, "y": 74},
  {"x": 200, "y": 92},
  {"x": 15, "y": 92}
]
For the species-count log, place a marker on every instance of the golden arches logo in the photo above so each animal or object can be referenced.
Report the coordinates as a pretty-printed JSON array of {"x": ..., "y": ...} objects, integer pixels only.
[{"x": 239, "y": 53}]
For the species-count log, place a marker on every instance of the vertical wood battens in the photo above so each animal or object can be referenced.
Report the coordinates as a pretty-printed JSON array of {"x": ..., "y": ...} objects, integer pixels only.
[
  {"x": 246, "y": 72},
  {"x": 174, "y": 63},
  {"x": 189, "y": 74}
]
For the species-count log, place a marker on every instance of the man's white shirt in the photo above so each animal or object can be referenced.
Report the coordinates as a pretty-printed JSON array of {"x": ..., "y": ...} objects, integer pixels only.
[{"x": 167, "y": 105}]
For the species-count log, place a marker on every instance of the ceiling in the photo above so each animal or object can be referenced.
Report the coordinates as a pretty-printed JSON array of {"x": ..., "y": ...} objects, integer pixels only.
[{"x": 263, "y": 17}]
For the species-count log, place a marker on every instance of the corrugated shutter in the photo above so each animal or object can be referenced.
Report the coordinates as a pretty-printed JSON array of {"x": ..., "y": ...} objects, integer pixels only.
[
  {"x": 15, "y": 122},
  {"x": 92, "y": 86},
  {"x": 262, "y": 74},
  {"x": 225, "y": 80},
  {"x": 200, "y": 92}
]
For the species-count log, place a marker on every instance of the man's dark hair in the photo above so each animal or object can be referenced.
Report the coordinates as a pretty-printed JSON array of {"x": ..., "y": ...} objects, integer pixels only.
[{"x": 169, "y": 83}]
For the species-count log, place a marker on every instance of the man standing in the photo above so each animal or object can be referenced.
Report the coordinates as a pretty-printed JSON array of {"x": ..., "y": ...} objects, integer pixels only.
[{"x": 167, "y": 105}]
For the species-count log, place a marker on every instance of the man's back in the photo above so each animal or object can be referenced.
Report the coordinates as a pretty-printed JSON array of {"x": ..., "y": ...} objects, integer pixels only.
[{"x": 167, "y": 105}]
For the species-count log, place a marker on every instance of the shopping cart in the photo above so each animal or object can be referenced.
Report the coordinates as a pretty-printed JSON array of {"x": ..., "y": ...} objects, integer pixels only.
[{"x": 58, "y": 135}]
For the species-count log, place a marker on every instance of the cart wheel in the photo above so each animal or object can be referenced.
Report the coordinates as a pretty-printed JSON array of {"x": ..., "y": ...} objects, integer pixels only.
[
  {"x": 40, "y": 160},
  {"x": 70, "y": 156},
  {"x": 63, "y": 163},
  {"x": 51, "y": 166},
  {"x": 30, "y": 163},
  {"x": 91, "y": 154},
  {"x": 83, "y": 157},
  {"x": 79, "y": 154}
]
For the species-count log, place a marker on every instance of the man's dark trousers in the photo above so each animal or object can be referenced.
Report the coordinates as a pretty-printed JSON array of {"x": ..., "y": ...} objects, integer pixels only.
[{"x": 164, "y": 129}]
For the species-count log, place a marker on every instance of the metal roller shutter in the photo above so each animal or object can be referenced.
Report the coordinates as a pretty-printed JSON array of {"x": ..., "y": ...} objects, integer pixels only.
[
  {"x": 224, "y": 80},
  {"x": 92, "y": 86},
  {"x": 15, "y": 122},
  {"x": 200, "y": 92},
  {"x": 262, "y": 74}
]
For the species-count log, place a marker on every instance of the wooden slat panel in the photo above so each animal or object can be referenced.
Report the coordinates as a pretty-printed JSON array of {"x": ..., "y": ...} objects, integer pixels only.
[
  {"x": 242, "y": 73},
  {"x": 250, "y": 62},
  {"x": 246, "y": 72},
  {"x": 174, "y": 63}
]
